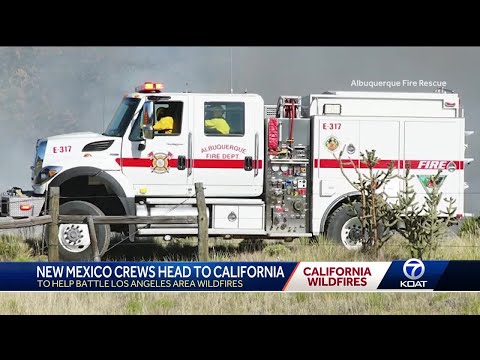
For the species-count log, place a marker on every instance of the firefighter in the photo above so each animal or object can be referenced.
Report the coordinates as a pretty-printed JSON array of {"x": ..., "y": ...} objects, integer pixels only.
[
  {"x": 164, "y": 122},
  {"x": 216, "y": 123}
]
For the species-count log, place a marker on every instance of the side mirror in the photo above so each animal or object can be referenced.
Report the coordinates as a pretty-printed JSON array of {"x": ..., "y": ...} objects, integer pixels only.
[{"x": 148, "y": 119}]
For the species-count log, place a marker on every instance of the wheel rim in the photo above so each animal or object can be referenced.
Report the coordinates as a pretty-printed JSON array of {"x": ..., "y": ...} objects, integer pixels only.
[
  {"x": 351, "y": 234},
  {"x": 74, "y": 237}
]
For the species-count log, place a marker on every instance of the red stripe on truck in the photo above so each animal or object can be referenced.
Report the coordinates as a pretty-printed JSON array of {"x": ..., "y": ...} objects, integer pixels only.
[
  {"x": 140, "y": 162},
  {"x": 383, "y": 164},
  {"x": 223, "y": 164},
  {"x": 197, "y": 163}
]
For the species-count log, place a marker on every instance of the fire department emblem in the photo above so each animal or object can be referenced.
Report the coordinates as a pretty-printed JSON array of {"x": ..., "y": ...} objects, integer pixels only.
[
  {"x": 160, "y": 162},
  {"x": 428, "y": 183},
  {"x": 332, "y": 143}
]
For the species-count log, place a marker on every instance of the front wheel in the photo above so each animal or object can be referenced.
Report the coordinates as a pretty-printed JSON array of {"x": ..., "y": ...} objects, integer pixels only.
[{"x": 74, "y": 239}]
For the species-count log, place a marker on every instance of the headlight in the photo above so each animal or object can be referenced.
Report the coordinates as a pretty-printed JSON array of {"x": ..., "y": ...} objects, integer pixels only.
[{"x": 46, "y": 174}]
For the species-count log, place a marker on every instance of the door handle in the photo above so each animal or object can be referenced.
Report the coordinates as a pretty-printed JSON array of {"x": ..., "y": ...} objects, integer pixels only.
[
  {"x": 190, "y": 155},
  {"x": 256, "y": 154},
  {"x": 248, "y": 163},
  {"x": 181, "y": 162}
]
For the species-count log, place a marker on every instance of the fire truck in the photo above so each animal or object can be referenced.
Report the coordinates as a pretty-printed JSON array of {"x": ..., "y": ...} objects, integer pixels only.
[{"x": 271, "y": 172}]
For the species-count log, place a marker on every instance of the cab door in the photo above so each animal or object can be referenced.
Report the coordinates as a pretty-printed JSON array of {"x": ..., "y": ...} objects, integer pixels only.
[
  {"x": 159, "y": 166},
  {"x": 229, "y": 164}
]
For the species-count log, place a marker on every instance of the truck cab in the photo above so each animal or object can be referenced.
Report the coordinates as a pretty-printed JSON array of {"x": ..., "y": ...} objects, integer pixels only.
[{"x": 134, "y": 168}]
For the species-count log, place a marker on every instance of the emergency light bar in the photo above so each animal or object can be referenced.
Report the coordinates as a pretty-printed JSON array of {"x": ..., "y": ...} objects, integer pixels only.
[{"x": 149, "y": 87}]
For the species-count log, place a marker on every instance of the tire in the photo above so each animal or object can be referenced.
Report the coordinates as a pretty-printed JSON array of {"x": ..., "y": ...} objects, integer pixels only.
[
  {"x": 344, "y": 227},
  {"x": 78, "y": 247}
]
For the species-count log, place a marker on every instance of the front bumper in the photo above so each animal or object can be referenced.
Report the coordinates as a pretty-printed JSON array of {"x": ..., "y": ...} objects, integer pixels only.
[{"x": 18, "y": 204}]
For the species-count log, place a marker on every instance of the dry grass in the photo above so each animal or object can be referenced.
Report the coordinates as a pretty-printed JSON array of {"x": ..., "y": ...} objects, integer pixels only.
[
  {"x": 239, "y": 303},
  {"x": 248, "y": 303}
]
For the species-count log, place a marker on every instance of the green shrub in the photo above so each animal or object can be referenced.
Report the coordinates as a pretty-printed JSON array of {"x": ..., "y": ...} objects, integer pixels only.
[
  {"x": 12, "y": 248},
  {"x": 276, "y": 250},
  {"x": 470, "y": 227}
]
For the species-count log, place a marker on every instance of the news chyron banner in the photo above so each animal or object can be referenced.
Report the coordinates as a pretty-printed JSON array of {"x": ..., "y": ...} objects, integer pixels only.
[{"x": 408, "y": 275}]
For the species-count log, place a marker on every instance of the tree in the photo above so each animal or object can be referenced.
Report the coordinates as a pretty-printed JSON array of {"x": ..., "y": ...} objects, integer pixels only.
[
  {"x": 423, "y": 226},
  {"x": 373, "y": 210}
]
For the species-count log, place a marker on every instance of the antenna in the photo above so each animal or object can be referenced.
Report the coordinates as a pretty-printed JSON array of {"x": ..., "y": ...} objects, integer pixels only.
[
  {"x": 231, "y": 71},
  {"x": 186, "y": 87},
  {"x": 103, "y": 113}
]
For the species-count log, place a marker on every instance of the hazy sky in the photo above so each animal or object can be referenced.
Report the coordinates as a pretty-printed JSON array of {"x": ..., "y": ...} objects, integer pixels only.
[{"x": 52, "y": 90}]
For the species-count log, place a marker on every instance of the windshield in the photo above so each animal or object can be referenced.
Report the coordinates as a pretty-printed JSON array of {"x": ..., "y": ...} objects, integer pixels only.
[{"x": 122, "y": 117}]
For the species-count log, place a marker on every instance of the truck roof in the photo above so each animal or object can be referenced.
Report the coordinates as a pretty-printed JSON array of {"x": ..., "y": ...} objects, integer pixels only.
[{"x": 384, "y": 95}]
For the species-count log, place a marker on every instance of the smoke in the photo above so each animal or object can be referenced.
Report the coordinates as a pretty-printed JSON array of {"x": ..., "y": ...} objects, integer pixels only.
[
  {"x": 300, "y": 71},
  {"x": 52, "y": 90},
  {"x": 48, "y": 91}
]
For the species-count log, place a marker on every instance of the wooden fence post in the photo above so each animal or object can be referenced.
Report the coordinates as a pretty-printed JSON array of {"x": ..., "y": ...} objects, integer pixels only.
[
  {"x": 93, "y": 238},
  {"x": 202, "y": 223},
  {"x": 53, "y": 211}
]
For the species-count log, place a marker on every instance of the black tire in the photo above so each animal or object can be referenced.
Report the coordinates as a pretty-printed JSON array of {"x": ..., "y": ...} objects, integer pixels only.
[
  {"x": 102, "y": 231},
  {"x": 336, "y": 221},
  {"x": 345, "y": 215}
]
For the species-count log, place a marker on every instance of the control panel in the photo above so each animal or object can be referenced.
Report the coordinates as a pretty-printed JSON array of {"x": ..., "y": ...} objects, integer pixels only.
[{"x": 287, "y": 193}]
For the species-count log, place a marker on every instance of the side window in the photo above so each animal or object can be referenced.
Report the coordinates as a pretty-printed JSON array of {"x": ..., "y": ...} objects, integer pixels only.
[
  {"x": 168, "y": 118},
  {"x": 172, "y": 109},
  {"x": 224, "y": 118}
]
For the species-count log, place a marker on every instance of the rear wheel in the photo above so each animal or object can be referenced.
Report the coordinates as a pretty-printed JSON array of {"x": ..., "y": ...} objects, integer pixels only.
[
  {"x": 345, "y": 227},
  {"x": 74, "y": 239}
]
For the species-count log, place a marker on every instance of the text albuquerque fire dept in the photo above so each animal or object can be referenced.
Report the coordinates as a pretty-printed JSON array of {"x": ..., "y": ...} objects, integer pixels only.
[{"x": 215, "y": 151}]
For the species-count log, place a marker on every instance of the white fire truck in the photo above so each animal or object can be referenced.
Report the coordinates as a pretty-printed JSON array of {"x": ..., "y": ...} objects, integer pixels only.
[{"x": 273, "y": 174}]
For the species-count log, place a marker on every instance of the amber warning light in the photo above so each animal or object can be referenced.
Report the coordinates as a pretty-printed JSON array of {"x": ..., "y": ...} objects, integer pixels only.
[
  {"x": 149, "y": 87},
  {"x": 25, "y": 207}
]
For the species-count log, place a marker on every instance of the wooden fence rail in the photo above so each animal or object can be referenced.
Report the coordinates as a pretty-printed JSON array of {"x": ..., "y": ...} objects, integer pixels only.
[
  {"x": 54, "y": 219},
  {"x": 9, "y": 223}
]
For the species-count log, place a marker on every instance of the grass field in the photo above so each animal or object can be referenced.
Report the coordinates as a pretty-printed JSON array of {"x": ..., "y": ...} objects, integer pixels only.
[{"x": 13, "y": 247}]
